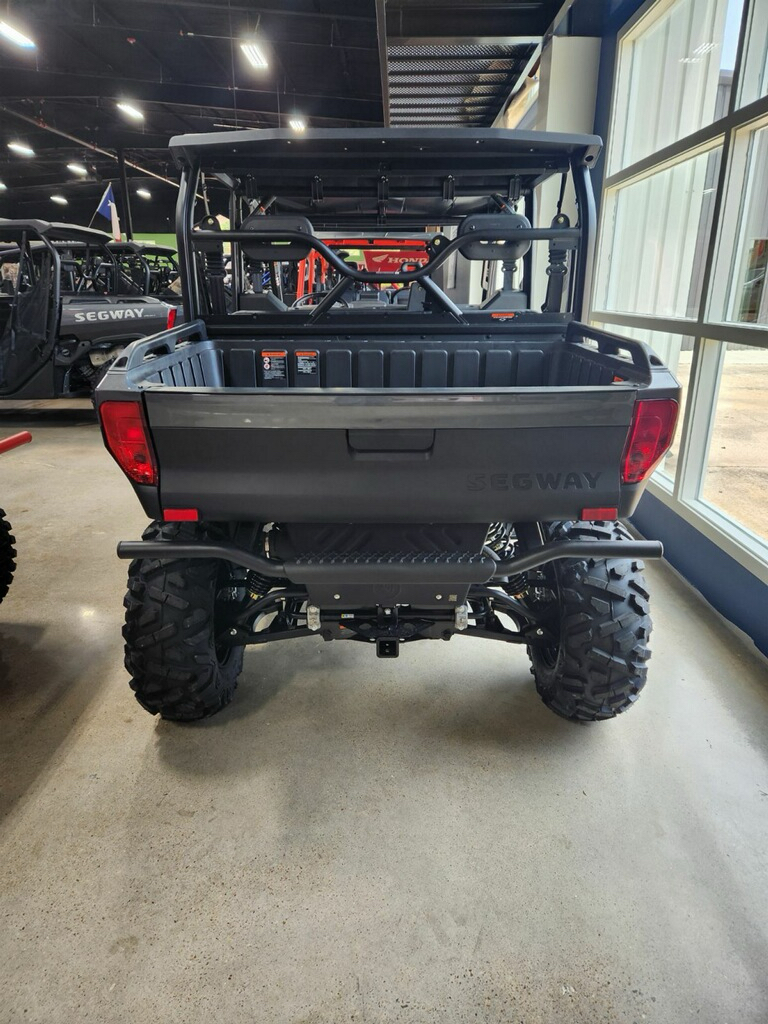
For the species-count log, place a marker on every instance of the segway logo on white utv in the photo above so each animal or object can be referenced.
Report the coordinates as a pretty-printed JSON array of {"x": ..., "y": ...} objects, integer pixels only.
[{"x": 109, "y": 314}]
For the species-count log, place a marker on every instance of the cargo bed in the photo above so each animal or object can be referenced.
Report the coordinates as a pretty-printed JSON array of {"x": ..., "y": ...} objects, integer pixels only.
[{"x": 516, "y": 425}]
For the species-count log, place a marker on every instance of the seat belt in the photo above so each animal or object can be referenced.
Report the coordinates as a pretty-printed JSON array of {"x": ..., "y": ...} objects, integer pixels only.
[{"x": 558, "y": 266}]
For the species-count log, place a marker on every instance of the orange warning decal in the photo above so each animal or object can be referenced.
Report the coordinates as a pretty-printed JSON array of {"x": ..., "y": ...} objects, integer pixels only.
[
  {"x": 503, "y": 316},
  {"x": 274, "y": 355},
  {"x": 309, "y": 354}
]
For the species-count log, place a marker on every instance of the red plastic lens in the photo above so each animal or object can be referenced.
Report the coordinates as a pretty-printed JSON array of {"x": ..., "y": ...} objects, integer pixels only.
[
  {"x": 180, "y": 515},
  {"x": 650, "y": 435},
  {"x": 171, "y": 318},
  {"x": 591, "y": 515},
  {"x": 126, "y": 435}
]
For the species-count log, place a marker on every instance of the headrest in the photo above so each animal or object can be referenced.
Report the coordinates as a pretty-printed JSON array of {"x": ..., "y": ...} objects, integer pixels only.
[
  {"x": 265, "y": 249},
  {"x": 495, "y": 248}
]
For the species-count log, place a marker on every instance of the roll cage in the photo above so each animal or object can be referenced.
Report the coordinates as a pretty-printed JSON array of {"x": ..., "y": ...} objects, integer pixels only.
[
  {"x": 282, "y": 190},
  {"x": 145, "y": 267}
]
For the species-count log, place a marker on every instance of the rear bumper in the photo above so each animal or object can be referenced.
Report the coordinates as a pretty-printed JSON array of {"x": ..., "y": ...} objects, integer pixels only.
[{"x": 416, "y": 569}]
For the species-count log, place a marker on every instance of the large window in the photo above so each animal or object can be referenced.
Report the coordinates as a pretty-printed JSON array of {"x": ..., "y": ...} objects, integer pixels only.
[
  {"x": 683, "y": 248},
  {"x": 736, "y": 477},
  {"x": 740, "y": 292},
  {"x": 674, "y": 76},
  {"x": 654, "y": 243}
]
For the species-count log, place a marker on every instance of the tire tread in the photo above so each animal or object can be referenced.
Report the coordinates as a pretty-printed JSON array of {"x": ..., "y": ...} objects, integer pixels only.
[
  {"x": 605, "y": 628},
  {"x": 7, "y": 555},
  {"x": 170, "y": 653}
]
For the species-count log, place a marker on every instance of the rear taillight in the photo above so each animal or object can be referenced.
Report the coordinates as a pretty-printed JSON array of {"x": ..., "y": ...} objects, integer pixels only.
[
  {"x": 128, "y": 441},
  {"x": 171, "y": 318},
  {"x": 650, "y": 435}
]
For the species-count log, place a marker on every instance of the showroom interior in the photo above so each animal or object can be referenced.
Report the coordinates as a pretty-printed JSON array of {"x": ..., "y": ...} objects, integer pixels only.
[{"x": 420, "y": 840}]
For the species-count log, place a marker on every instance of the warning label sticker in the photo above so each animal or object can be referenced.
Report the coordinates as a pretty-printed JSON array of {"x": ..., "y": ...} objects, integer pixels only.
[
  {"x": 274, "y": 367},
  {"x": 306, "y": 364}
]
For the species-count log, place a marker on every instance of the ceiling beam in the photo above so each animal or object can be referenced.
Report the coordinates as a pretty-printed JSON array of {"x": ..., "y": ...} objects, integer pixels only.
[
  {"x": 27, "y": 83},
  {"x": 435, "y": 40},
  {"x": 287, "y": 8},
  {"x": 419, "y": 22},
  {"x": 107, "y": 139},
  {"x": 304, "y": 37},
  {"x": 83, "y": 144}
]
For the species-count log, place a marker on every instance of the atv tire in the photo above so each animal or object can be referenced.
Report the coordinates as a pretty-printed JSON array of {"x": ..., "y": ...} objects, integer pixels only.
[
  {"x": 170, "y": 628},
  {"x": 7, "y": 555},
  {"x": 597, "y": 668}
]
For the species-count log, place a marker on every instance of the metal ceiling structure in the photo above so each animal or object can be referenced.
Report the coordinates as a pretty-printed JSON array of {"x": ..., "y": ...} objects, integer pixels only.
[
  {"x": 456, "y": 62},
  {"x": 332, "y": 63}
]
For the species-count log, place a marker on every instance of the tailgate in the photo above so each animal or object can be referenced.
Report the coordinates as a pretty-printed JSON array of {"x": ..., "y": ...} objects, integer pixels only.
[{"x": 404, "y": 456}]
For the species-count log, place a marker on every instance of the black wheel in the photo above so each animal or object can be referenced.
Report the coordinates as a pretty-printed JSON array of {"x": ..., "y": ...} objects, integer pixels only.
[
  {"x": 173, "y": 610},
  {"x": 600, "y": 616},
  {"x": 7, "y": 555}
]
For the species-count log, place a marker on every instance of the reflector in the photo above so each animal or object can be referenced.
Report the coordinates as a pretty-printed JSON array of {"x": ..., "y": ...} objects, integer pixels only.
[
  {"x": 592, "y": 515},
  {"x": 650, "y": 435},
  {"x": 171, "y": 318},
  {"x": 126, "y": 437},
  {"x": 180, "y": 515}
]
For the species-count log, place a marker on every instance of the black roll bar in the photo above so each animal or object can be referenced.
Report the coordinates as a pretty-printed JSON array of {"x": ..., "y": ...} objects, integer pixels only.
[
  {"x": 569, "y": 236},
  {"x": 585, "y": 200},
  {"x": 581, "y": 238}
]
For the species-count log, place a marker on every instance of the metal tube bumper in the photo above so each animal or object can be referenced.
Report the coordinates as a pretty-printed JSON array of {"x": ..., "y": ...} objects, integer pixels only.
[
  {"x": 415, "y": 569},
  {"x": 168, "y": 549},
  {"x": 579, "y": 549}
]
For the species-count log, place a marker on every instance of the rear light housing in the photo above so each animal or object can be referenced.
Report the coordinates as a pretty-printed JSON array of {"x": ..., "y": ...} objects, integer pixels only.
[
  {"x": 127, "y": 438},
  {"x": 650, "y": 435},
  {"x": 171, "y": 318}
]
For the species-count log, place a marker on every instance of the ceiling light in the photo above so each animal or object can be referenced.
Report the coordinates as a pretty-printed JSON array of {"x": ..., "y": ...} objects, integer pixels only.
[
  {"x": 130, "y": 111},
  {"x": 21, "y": 149},
  {"x": 255, "y": 54},
  {"x": 77, "y": 168},
  {"x": 3, "y": 186},
  {"x": 13, "y": 36},
  {"x": 298, "y": 124},
  {"x": 144, "y": 193},
  {"x": 59, "y": 199}
]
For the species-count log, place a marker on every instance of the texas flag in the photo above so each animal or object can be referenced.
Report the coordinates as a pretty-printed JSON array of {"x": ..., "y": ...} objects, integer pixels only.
[{"x": 108, "y": 209}]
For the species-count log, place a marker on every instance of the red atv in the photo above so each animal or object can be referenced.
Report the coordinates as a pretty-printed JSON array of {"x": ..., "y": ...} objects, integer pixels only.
[{"x": 7, "y": 540}]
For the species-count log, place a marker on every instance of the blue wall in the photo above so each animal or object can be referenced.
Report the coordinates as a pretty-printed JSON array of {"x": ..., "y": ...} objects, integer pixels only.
[{"x": 725, "y": 583}]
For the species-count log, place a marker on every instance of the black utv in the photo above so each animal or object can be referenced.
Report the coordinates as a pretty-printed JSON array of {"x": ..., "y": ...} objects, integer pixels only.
[
  {"x": 453, "y": 457},
  {"x": 67, "y": 309}
]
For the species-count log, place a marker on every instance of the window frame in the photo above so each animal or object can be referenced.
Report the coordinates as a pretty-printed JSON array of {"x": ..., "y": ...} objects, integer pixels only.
[{"x": 709, "y": 330}]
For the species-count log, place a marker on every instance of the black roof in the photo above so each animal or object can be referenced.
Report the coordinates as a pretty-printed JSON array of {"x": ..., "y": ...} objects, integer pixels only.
[
  {"x": 141, "y": 246},
  {"x": 240, "y": 151},
  {"x": 398, "y": 177},
  {"x": 11, "y": 230}
]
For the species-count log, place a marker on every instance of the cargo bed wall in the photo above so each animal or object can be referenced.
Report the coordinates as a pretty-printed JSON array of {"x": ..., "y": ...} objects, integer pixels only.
[
  {"x": 466, "y": 427},
  {"x": 376, "y": 363}
]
